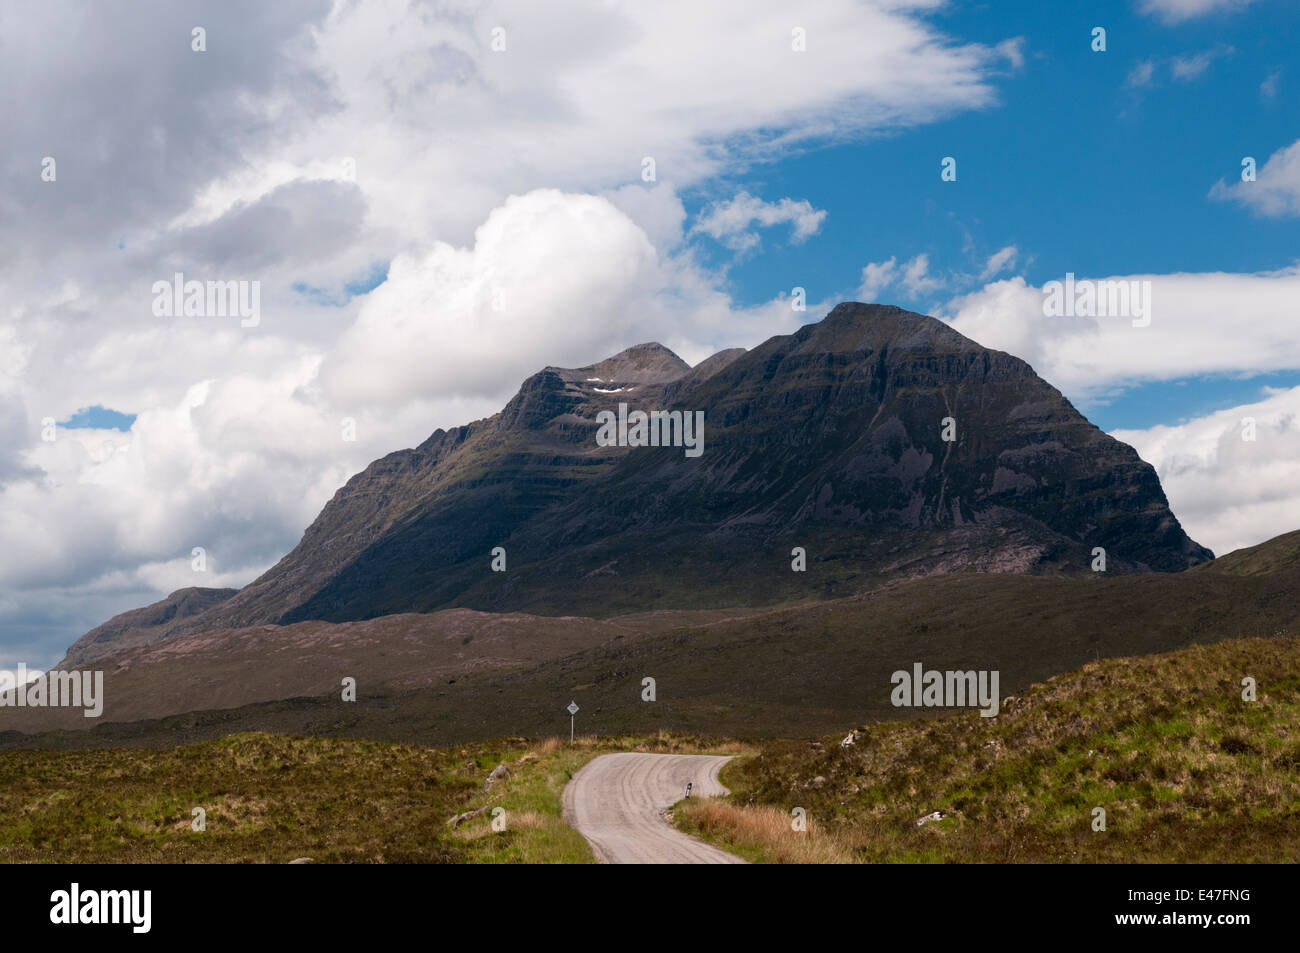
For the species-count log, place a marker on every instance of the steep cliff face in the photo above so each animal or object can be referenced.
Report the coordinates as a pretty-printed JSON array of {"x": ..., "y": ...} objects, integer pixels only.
[{"x": 831, "y": 439}]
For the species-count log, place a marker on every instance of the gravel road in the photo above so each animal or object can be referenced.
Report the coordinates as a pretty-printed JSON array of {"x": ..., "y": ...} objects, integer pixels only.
[{"x": 616, "y": 800}]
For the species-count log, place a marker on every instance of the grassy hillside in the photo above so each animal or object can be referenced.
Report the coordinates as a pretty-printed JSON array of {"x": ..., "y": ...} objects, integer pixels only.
[
  {"x": 1279, "y": 554},
  {"x": 272, "y": 799},
  {"x": 1185, "y": 769}
]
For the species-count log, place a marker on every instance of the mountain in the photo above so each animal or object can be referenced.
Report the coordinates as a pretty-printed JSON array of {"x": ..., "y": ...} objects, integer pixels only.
[
  {"x": 455, "y": 676},
  {"x": 142, "y": 626},
  {"x": 1275, "y": 555},
  {"x": 830, "y": 439}
]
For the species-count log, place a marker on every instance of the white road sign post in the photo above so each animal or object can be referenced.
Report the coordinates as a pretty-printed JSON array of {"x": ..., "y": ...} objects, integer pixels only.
[{"x": 573, "y": 710}]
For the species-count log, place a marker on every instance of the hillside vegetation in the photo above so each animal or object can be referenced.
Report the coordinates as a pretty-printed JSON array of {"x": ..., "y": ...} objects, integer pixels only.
[
  {"x": 273, "y": 799},
  {"x": 1185, "y": 769}
]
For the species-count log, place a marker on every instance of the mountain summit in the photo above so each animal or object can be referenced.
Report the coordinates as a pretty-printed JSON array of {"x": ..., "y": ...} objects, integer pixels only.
[{"x": 830, "y": 439}]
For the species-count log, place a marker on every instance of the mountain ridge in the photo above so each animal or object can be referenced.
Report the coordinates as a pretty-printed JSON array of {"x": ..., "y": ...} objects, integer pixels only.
[{"x": 829, "y": 438}]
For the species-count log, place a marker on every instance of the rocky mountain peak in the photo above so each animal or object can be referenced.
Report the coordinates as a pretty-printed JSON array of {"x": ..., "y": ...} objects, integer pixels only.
[
  {"x": 854, "y": 326},
  {"x": 648, "y": 363},
  {"x": 881, "y": 442}
]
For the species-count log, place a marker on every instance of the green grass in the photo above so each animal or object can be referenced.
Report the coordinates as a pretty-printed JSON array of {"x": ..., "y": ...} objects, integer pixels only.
[
  {"x": 534, "y": 830},
  {"x": 267, "y": 799},
  {"x": 1184, "y": 768},
  {"x": 273, "y": 798}
]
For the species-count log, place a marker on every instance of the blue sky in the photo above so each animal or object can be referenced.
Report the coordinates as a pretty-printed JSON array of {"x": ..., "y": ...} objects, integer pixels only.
[
  {"x": 98, "y": 418},
  {"x": 1077, "y": 166}
]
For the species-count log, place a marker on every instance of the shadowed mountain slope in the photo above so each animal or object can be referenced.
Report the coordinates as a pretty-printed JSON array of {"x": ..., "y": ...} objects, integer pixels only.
[
  {"x": 830, "y": 439},
  {"x": 458, "y": 675}
]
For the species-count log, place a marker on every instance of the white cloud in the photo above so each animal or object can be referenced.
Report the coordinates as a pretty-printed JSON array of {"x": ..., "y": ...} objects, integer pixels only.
[
  {"x": 657, "y": 210},
  {"x": 917, "y": 279},
  {"x": 1268, "y": 88},
  {"x": 999, "y": 262},
  {"x": 1178, "y": 11},
  {"x": 1183, "y": 69},
  {"x": 1192, "y": 66},
  {"x": 912, "y": 276},
  {"x": 695, "y": 87},
  {"x": 438, "y": 324},
  {"x": 1229, "y": 492},
  {"x": 732, "y": 222},
  {"x": 876, "y": 277},
  {"x": 1200, "y": 324},
  {"x": 1276, "y": 189},
  {"x": 1013, "y": 50},
  {"x": 326, "y": 139},
  {"x": 245, "y": 458},
  {"x": 1141, "y": 74}
]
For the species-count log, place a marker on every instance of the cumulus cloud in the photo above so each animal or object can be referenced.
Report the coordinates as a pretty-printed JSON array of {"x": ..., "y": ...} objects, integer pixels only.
[
  {"x": 1199, "y": 324},
  {"x": 534, "y": 113},
  {"x": 438, "y": 325},
  {"x": 912, "y": 276},
  {"x": 245, "y": 457},
  {"x": 311, "y": 146},
  {"x": 1229, "y": 491},
  {"x": 916, "y": 277},
  {"x": 735, "y": 222},
  {"x": 876, "y": 277},
  {"x": 657, "y": 210},
  {"x": 1276, "y": 189}
]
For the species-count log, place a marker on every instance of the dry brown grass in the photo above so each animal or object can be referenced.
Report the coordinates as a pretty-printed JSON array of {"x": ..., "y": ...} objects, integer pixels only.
[
  {"x": 547, "y": 746},
  {"x": 764, "y": 831},
  {"x": 515, "y": 821}
]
